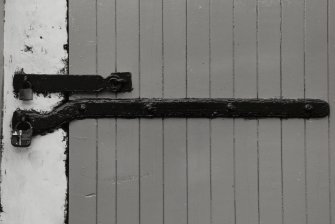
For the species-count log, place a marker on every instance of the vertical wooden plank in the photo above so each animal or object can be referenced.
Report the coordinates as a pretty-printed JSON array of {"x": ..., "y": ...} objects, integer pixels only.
[
  {"x": 198, "y": 130},
  {"x": 106, "y": 30},
  {"x": 222, "y": 171},
  {"x": 317, "y": 171},
  {"x": 174, "y": 54},
  {"x": 331, "y": 99},
  {"x": 106, "y": 136},
  {"x": 127, "y": 42},
  {"x": 197, "y": 48},
  {"x": 174, "y": 34},
  {"x": 246, "y": 173},
  {"x": 151, "y": 140},
  {"x": 127, "y": 34},
  {"x": 269, "y": 37},
  {"x": 2, "y": 15},
  {"x": 293, "y": 130},
  {"x": 221, "y": 48},
  {"x": 106, "y": 172},
  {"x": 127, "y": 171},
  {"x": 151, "y": 178},
  {"x": 82, "y": 142},
  {"x": 82, "y": 172},
  {"x": 151, "y": 48},
  {"x": 198, "y": 171},
  {"x": 175, "y": 183},
  {"x": 245, "y": 48},
  {"x": 222, "y": 134},
  {"x": 317, "y": 183},
  {"x": 270, "y": 184},
  {"x": 293, "y": 171},
  {"x": 269, "y": 74}
]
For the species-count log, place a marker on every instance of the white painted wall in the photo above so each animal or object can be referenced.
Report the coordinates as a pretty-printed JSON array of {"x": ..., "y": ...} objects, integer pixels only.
[{"x": 33, "y": 180}]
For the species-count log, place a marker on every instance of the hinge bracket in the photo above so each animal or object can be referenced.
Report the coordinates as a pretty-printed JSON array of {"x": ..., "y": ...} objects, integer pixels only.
[
  {"x": 36, "y": 123},
  {"x": 44, "y": 84}
]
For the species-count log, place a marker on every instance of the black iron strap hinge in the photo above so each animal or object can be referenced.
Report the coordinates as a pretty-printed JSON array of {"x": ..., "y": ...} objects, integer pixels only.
[
  {"x": 25, "y": 85},
  {"x": 27, "y": 124}
]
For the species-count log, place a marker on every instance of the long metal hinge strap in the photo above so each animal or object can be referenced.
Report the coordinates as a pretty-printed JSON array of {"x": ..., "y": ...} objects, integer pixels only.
[{"x": 171, "y": 108}]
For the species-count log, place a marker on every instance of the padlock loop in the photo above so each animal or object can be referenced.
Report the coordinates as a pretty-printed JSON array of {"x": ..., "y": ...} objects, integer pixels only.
[
  {"x": 26, "y": 91},
  {"x": 23, "y": 125},
  {"x": 26, "y": 85}
]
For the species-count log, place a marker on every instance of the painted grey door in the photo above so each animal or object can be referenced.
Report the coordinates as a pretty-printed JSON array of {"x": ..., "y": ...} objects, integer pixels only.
[{"x": 200, "y": 170}]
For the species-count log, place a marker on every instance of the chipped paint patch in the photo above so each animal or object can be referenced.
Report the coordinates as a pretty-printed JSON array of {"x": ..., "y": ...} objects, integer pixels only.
[{"x": 33, "y": 180}]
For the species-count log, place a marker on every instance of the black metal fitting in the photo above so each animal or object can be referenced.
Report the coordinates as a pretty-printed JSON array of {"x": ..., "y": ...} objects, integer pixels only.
[
  {"x": 42, "y": 123},
  {"x": 41, "y": 83}
]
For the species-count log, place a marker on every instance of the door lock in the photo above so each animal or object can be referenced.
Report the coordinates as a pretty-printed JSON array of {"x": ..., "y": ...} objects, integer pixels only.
[
  {"x": 22, "y": 133},
  {"x": 26, "y": 92}
]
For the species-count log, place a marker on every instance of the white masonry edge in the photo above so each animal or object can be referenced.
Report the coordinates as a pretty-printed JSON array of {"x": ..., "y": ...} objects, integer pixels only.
[{"x": 33, "y": 180}]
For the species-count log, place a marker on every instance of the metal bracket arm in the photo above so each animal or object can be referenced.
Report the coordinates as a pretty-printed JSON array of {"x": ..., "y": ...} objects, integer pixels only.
[
  {"x": 43, "y": 123},
  {"x": 41, "y": 83}
]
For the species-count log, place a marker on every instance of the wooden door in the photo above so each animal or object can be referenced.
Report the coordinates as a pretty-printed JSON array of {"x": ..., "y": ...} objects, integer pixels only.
[{"x": 200, "y": 170}]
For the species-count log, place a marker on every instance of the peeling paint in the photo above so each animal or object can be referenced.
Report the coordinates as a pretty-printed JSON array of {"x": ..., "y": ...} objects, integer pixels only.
[{"x": 33, "y": 180}]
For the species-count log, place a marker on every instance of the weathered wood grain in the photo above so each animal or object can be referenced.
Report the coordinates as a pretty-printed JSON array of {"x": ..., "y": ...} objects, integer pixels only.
[
  {"x": 294, "y": 203},
  {"x": 82, "y": 136},
  {"x": 174, "y": 85}
]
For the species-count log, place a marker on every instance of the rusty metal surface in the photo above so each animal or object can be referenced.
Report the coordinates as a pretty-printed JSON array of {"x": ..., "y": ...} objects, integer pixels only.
[
  {"x": 172, "y": 108},
  {"x": 41, "y": 83}
]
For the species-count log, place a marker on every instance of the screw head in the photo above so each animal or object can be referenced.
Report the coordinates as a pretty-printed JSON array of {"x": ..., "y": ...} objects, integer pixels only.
[
  {"x": 115, "y": 83},
  {"x": 83, "y": 107},
  {"x": 215, "y": 113},
  {"x": 23, "y": 118},
  {"x": 230, "y": 107},
  {"x": 308, "y": 107}
]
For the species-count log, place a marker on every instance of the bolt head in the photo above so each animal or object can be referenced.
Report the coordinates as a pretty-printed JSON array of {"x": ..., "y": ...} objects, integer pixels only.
[
  {"x": 230, "y": 107},
  {"x": 82, "y": 107},
  {"x": 308, "y": 107}
]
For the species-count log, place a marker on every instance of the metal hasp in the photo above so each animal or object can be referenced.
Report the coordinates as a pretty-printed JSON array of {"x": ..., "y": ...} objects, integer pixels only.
[
  {"x": 41, "y": 83},
  {"x": 169, "y": 108}
]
